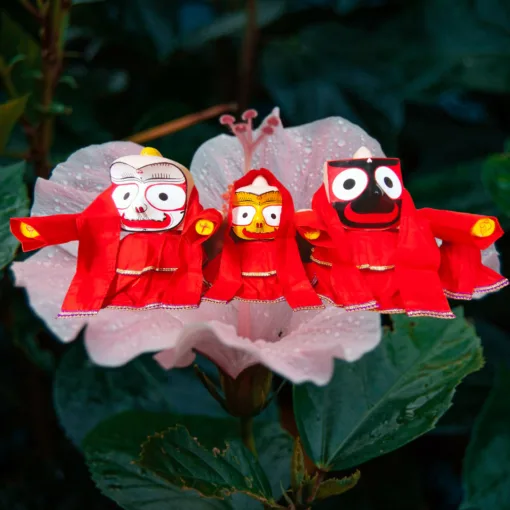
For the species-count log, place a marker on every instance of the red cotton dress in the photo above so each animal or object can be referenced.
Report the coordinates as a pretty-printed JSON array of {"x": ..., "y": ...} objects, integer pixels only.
[
  {"x": 261, "y": 270},
  {"x": 144, "y": 270}
]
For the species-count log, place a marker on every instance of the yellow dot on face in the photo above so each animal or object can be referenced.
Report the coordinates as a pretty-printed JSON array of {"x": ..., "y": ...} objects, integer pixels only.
[
  {"x": 204, "y": 227},
  {"x": 150, "y": 151},
  {"x": 28, "y": 231},
  {"x": 484, "y": 227}
]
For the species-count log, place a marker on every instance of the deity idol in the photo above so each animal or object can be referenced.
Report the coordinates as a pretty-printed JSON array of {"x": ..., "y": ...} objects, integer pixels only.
[
  {"x": 140, "y": 241},
  {"x": 374, "y": 250}
]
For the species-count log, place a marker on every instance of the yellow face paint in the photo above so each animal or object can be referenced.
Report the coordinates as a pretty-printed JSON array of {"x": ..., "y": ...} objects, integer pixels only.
[
  {"x": 256, "y": 217},
  {"x": 28, "y": 231}
]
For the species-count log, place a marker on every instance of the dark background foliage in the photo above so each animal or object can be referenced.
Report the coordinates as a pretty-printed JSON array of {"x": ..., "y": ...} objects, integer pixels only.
[{"x": 430, "y": 79}]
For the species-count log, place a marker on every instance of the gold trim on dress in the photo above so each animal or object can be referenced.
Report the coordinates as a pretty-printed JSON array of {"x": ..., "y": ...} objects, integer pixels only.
[
  {"x": 268, "y": 273},
  {"x": 375, "y": 268},
  {"x": 320, "y": 262},
  {"x": 135, "y": 272},
  {"x": 153, "y": 306},
  {"x": 362, "y": 266}
]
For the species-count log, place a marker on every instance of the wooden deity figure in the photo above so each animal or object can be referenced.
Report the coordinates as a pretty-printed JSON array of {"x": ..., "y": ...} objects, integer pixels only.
[
  {"x": 140, "y": 241},
  {"x": 374, "y": 250},
  {"x": 260, "y": 261}
]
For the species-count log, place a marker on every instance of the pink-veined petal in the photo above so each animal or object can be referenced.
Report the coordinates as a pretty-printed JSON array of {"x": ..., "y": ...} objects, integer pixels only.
[
  {"x": 305, "y": 353},
  {"x": 46, "y": 277},
  {"x": 295, "y": 155},
  {"x": 114, "y": 337}
]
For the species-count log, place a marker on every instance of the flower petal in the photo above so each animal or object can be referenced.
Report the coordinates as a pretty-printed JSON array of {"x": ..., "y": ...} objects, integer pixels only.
[
  {"x": 313, "y": 339},
  {"x": 88, "y": 169},
  {"x": 296, "y": 156},
  {"x": 490, "y": 258},
  {"x": 114, "y": 337},
  {"x": 46, "y": 276}
]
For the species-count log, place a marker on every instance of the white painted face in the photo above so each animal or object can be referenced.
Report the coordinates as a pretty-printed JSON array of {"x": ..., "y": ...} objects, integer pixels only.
[{"x": 150, "y": 193}]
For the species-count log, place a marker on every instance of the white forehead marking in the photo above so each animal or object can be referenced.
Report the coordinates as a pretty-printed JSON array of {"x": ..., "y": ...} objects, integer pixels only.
[
  {"x": 146, "y": 168},
  {"x": 259, "y": 186},
  {"x": 362, "y": 153}
]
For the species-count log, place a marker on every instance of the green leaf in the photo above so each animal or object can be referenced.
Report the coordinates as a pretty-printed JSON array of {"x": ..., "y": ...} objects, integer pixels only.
[
  {"x": 496, "y": 177},
  {"x": 337, "y": 486},
  {"x": 111, "y": 450},
  {"x": 179, "y": 459},
  {"x": 113, "y": 446},
  {"x": 389, "y": 397},
  {"x": 85, "y": 393},
  {"x": 486, "y": 468},
  {"x": 10, "y": 112},
  {"x": 14, "y": 202}
]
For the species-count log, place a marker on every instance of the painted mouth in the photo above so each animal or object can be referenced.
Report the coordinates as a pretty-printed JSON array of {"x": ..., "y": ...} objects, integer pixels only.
[
  {"x": 259, "y": 235},
  {"x": 147, "y": 224},
  {"x": 371, "y": 218}
]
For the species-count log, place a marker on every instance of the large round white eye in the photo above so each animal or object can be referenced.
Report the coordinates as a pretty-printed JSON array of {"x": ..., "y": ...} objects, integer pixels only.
[
  {"x": 349, "y": 184},
  {"x": 243, "y": 215},
  {"x": 124, "y": 194},
  {"x": 272, "y": 214},
  {"x": 389, "y": 182},
  {"x": 166, "y": 197}
]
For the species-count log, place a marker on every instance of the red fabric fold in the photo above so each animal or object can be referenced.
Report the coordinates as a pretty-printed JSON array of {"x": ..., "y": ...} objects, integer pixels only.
[
  {"x": 291, "y": 275},
  {"x": 462, "y": 273}
]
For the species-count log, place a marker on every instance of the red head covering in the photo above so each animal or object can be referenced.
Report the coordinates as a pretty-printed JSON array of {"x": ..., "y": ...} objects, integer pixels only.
[{"x": 290, "y": 272}]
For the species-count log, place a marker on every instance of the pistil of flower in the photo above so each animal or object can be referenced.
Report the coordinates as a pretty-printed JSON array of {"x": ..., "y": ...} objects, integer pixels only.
[{"x": 244, "y": 133}]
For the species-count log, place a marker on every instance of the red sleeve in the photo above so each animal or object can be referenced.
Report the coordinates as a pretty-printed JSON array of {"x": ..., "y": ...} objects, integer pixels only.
[
  {"x": 39, "y": 231},
  {"x": 207, "y": 214},
  {"x": 455, "y": 227},
  {"x": 307, "y": 220}
]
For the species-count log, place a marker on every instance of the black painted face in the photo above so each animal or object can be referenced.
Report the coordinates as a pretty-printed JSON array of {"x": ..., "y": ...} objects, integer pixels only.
[{"x": 366, "y": 193}]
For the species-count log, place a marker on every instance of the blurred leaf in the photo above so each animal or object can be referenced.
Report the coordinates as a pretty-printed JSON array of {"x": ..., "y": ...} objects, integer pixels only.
[
  {"x": 113, "y": 445},
  {"x": 18, "y": 46},
  {"x": 14, "y": 202},
  {"x": 233, "y": 23},
  {"x": 10, "y": 113},
  {"x": 389, "y": 397},
  {"x": 337, "y": 486},
  {"x": 85, "y": 394},
  {"x": 487, "y": 462},
  {"x": 433, "y": 188},
  {"x": 496, "y": 177},
  {"x": 180, "y": 460}
]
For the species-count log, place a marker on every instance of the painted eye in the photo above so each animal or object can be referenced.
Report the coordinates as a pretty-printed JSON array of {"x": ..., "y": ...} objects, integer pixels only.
[
  {"x": 389, "y": 182},
  {"x": 243, "y": 215},
  {"x": 349, "y": 184},
  {"x": 124, "y": 194},
  {"x": 166, "y": 197},
  {"x": 272, "y": 214}
]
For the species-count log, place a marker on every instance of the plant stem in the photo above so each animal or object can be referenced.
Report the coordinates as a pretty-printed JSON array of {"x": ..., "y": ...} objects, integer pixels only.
[
  {"x": 182, "y": 123},
  {"x": 248, "y": 55},
  {"x": 52, "y": 42},
  {"x": 247, "y": 434}
]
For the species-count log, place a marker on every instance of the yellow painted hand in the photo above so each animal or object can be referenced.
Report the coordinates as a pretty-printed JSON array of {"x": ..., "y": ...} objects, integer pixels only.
[
  {"x": 204, "y": 227},
  {"x": 312, "y": 234},
  {"x": 483, "y": 228},
  {"x": 28, "y": 231}
]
